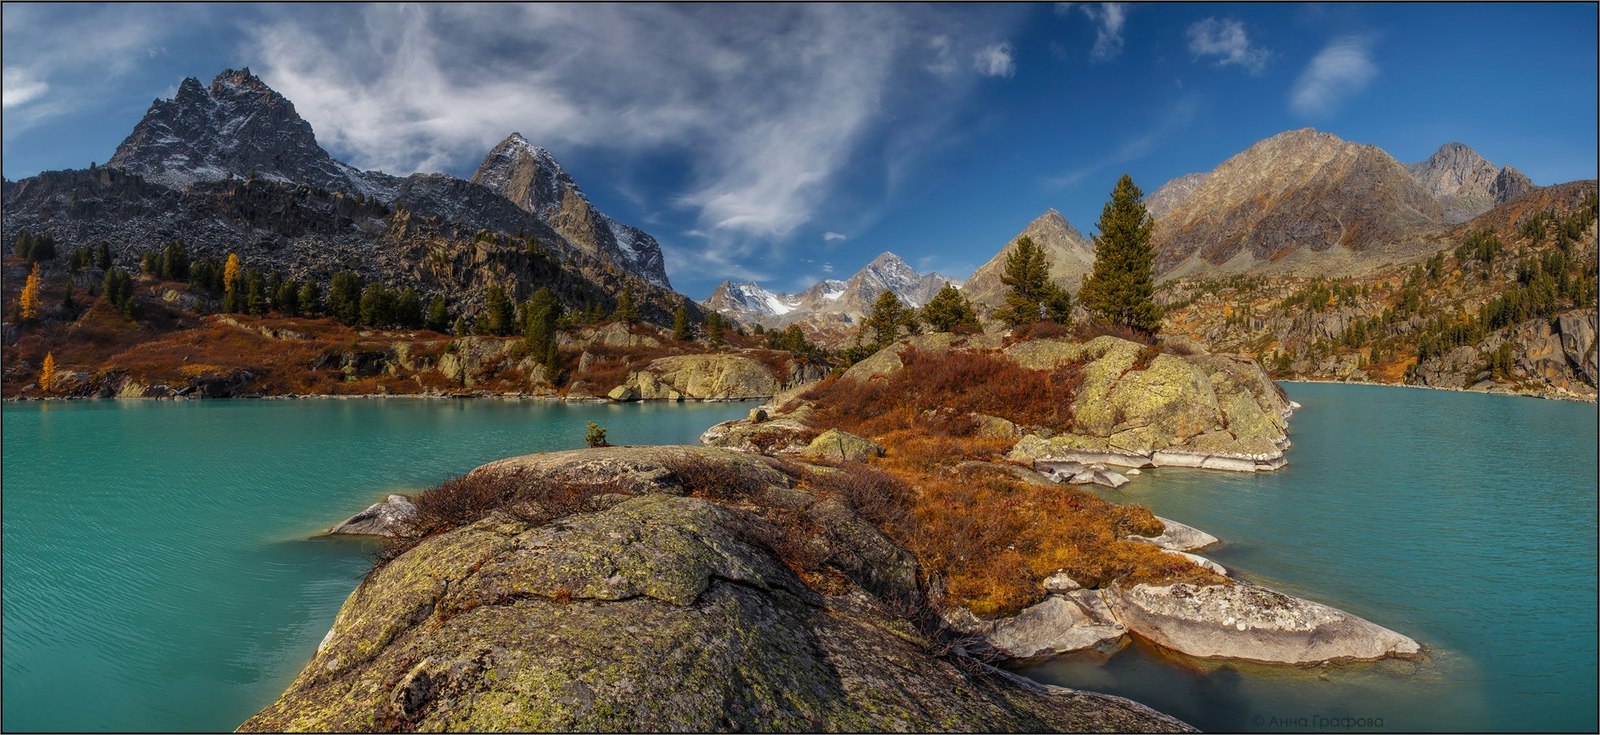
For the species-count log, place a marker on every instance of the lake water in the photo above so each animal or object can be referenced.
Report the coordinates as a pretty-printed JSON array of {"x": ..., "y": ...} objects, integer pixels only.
[
  {"x": 159, "y": 571},
  {"x": 1466, "y": 521}
]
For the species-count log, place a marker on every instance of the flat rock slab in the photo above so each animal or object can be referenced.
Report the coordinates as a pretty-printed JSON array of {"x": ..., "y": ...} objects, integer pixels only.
[
  {"x": 1178, "y": 537},
  {"x": 1059, "y": 624},
  {"x": 1244, "y": 621}
]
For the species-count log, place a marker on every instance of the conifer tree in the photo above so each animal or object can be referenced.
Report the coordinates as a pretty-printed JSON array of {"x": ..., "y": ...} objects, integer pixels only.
[
  {"x": 28, "y": 302},
  {"x": 950, "y": 311},
  {"x": 888, "y": 316},
  {"x": 231, "y": 273},
  {"x": 1121, "y": 288},
  {"x": 1033, "y": 297},
  {"x": 680, "y": 324},
  {"x": 714, "y": 329},
  {"x": 541, "y": 319},
  {"x": 309, "y": 300},
  {"x": 625, "y": 312},
  {"x": 497, "y": 316},
  {"x": 344, "y": 297},
  {"x": 47, "y": 374},
  {"x": 438, "y": 317},
  {"x": 102, "y": 256}
]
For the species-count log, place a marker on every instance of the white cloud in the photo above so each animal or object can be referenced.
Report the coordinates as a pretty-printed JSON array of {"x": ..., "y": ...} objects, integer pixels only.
[
  {"x": 830, "y": 236},
  {"x": 1110, "y": 18},
  {"x": 1227, "y": 41},
  {"x": 59, "y": 61},
  {"x": 995, "y": 61},
  {"x": 21, "y": 88},
  {"x": 944, "y": 61},
  {"x": 768, "y": 108},
  {"x": 1342, "y": 68}
]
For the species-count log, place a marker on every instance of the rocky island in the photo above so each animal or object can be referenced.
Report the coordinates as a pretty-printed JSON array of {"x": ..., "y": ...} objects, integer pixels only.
[{"x": 798, "y": 574}]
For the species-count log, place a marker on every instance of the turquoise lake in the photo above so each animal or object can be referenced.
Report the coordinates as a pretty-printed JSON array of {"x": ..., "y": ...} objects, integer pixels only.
[
  {"x": 160, "y": 570},
  {"x": 159, "y": 566}
]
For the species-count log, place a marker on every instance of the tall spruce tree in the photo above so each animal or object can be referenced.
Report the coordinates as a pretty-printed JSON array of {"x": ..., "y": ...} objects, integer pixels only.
[
  {"x": 1033, "y": 296},
  {"x": 1121, "y": 288},
  {"x": 625, "y": 312}
]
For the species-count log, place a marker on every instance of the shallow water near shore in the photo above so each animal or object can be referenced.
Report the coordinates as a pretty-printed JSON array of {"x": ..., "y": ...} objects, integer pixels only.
[
  {"x": 159, "y": 568},
  {"x": 1465, "y": 521}
]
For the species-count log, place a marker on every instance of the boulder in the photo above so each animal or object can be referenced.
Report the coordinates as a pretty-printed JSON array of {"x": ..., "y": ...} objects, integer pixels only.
[
  {"x": 1060, "y": 582},
  {"x": 711, "y": 376},
  {"x": 648, "y": 613},
  {"x": 842, "y": 446},
  {"x": 1059, "y": 624},
  {"x": 1138, "y": 409},
  {"x": 1243, "y": 621},
  {"x": 1178, "y": 537},
  {"x": 623, "y": 393},
  {"x": 1202, "y": 562},
  {"x": 388, "y": 518}
]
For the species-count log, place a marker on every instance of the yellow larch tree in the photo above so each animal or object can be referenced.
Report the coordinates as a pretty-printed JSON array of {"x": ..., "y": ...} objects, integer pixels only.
[
  {"x": 47, "y": 374},
  {"x": 29, "y": 306},
  {"x": 230, "y": 272}
]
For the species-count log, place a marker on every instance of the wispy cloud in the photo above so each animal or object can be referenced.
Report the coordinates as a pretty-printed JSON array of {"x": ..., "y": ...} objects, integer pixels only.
[
  {"x": 60, "y": 62},
  {"x": 768, "y": 108},
  {"x": 1342, "y": 68},
  {"x": 1227, "y": 41},
  {"x": 21, "y": 88},
  {"x": 995, "y": 61},
  {"x": 1181, "y": 114},
  {"x": 830, "y": 236},
  {"x": 1109, "y": 19}
]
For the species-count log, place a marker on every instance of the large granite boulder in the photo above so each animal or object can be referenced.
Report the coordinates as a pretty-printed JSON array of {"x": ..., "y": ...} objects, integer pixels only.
[
  {"x": 1177, "y": 536},
  {"x": 1244, "y": 621},
  {"x": 653, "y": 612},
  {"x": 887, "y": 360},
  {"x": 711, "y": 376},
  {"x": 1073, "y": 621}
]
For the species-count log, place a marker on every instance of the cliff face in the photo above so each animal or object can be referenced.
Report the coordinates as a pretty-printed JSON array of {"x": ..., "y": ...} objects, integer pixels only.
[{"x": 650, "y": 611}]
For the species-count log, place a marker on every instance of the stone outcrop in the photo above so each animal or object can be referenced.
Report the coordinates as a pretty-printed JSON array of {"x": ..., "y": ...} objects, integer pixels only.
[
  {"x": 388, "y": 518},
  {"x": 1244, "y": 621},
  {"x": 653, "y": 612},
  {"x": 714, "y": 376},
  {"x": 1072, "y": 621},
  {"x": 1210, "y": 411},
  {"x": 842, "y": 446}
]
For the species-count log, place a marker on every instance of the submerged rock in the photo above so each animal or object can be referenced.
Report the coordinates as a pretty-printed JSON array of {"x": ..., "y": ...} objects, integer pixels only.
[{"x": 388, "y": 518}]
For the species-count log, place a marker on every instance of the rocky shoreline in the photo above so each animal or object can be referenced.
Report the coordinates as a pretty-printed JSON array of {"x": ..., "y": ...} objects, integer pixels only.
[{"x": 1514, "y": 394}]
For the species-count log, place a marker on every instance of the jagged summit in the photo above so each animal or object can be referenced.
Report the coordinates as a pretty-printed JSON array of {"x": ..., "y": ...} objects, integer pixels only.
[
  {"x": 238, "y": 126},
  {"x": 829, "y": 300},
  {"x": 1466, "y": 183},
  {"x": 532, "y": 179}
]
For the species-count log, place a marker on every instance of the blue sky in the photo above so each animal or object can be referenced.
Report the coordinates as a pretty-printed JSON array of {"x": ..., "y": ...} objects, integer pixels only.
[{"x": 791, "y": 143}]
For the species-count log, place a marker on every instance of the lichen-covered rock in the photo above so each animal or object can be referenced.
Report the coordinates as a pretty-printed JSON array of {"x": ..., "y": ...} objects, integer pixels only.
[
  {"x": 651, "y": 613},
  {"x": 1138, "y": 409},
  {"x": 623, "y": 394},
  {"x": 711, "y": 376},
  {"x": 842, "y": 446},
  {"x": 1244, "y": 621}
]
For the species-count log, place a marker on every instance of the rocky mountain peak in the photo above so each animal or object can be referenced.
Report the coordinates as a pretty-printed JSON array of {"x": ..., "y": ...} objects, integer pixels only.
[
  {"x": 238, "y": 126},
  {"x": 1466, "y": 183},
  {"x": 531, "y": 178}
]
